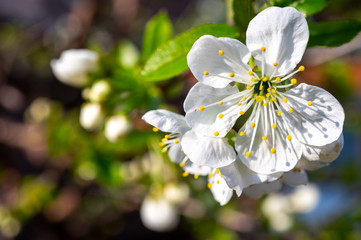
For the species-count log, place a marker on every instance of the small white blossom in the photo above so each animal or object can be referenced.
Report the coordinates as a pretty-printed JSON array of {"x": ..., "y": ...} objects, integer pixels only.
[
  {"x": 73, "y": 66},
  {"x": 282, "y": 121},
  {"x": 116, "y": 127},
  {"x": 99, "y": 91},
  {"x": 91, "y": 116}
]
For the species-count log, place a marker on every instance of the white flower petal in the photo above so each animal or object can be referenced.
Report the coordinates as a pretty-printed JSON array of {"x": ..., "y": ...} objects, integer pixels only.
[
  {"x": 208, "y": 151},
  {"x": 295, "y": 177},
  {"x": 214, "y": 69},
  {"x": 175, "y": 154},
  {"x": 238, "y": 176},
  {"x": 318, "y": 124},
  {"x": 331, "y": 151},
  {"x": 284, "y": 33},
  {"x": 166, "y": 121},
  {"x": 207, "y": 99},
  {"x": 258, "y": 190},
  {"x": 220, "y": 190},
  {"x": 193, "y": 169},
  {"x": 305, "y": 164},
  {"x": 262, "y": 160}
]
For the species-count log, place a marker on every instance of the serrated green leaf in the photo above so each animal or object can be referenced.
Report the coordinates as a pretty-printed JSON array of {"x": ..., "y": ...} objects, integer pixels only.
[
  {"x": 306, "y": 7},
  {"x": 333, "y": 33},
  {"x": 243, "y": 13},
  {"x": 157, "y": 31},
  {"x": 170, "y": 59}
]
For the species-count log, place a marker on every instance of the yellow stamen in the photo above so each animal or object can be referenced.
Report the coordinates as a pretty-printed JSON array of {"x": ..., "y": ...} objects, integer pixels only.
[
  {"x": 301, "y": 68},
  {"x": 164, "y": 150},
  {"x": 231, "y": 74},
  {"x": 206, "y": 73},
  {"x": 249, "y": 87},
  {"x": 217, "y": 170},
  {"x": 221, "y": 115},
  {"x": 161, "y": 144},
  {"x": 275, "y": 64},
  {"x": 263, "y": 49},
  {"x": 274, "y": 99},
  {"x": 220, "y": 103},
  {"x": 216, "y": 134},
  {"x": 244, "y": 98},
  {"x": 155, "y": 129},
  {"x": 195, "y": 176},
  {"x": 261, "y": 87},
  {"x": 167, "y": 136},
  {"x": 176, "y": 141},
  {"x": 259, "y": 98},
  {"x": 164, "y": 140},
  {"x": 217, "y": 181},
  {"x": 242, "y": 133},
  {"x": 296, "y": 170},
  {"x": 290, "y": 110},
  {"x": 289, "y": 137},
  {"x": 250, "y": 72},
  {"x": 279, "y": 113},
  {"x": 274, "y": 126},
  {"x": 210, "y": 175},
  {"x": 273, "y": 91},
  {"x": 201, "y": 108},
  {"x": 268, "y": 89},
  {"x": 294, "y": 81},
  {"x": 264, "y": 138},
  {"x": 253, "y": 124},
  {"x": 273, "y": 150},
  {"x": 309, "y": 103},
  {"x": 278, "y": 79},
  {"x": 182, "y": 150},
  {"x": 209, "y": 185},
  {"x": 268, "y": 95},
  {"x": 265, "y": 104},
  {"x": 285, "y": 100},
  {"x": 265, "y": 79},
  {"x": 221, "y": 53},
  {"x": 185, "y": 174},
  {"x": 248, "y": 154},
  {"x": 182, "y": 164}
]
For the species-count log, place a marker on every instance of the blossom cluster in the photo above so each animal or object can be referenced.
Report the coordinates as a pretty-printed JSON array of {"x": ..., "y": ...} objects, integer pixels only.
[{"x": 288, "y": 128}]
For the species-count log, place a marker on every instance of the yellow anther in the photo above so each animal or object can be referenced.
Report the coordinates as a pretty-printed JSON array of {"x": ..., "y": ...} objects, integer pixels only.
[
  {"x": 285, "y": 100},
  {"x": 164, "y": 150},
  {"x": 155, "y": 129},
  {"x": 220, "y": 175},
  {"x": 273, "y": 150},
  {"x": 290, "y": 110},
  {"x": 296, "y": 170},
  {"x": 253, "y": 124},
  {"x": 263, "y": 49},
  {"x": 217, "y": 170},
  {"x": 182, "y": 150},
  {"x": 309, "y": 103},
  {"x": 161, "y": 144},
  {"x": 248, "y": 154},
  {"x": 221, "y": 115},
  {"x": 289, "y": 137},
  {"x": 210, "y": 175},
  {"x": 209, "y": 185},
  {"x": 249, "y": 87},
  {"x": 216, "y": 134},
  {"x": 265, "y": 79},
  {"x": 167, "y": 136},
  {"x": 244, "y": 98},
  {"x": 241, "y": 112},
  {"x": 273, "y": 91},
  {"x": 217, "y": 181},
  {"x": 275, "y": 64},
  {"x": 176, "y": 141},
  {"x": 231, "y": 74},
  {"x": 274, "y": 99},
  {"x": 251, "y": 185},
  {"x": 265, "y": 104},
  {"x": 259, "y": 98},
  {"x": 182, "y": 164},
  {"x": 301, "y": 68},
  {"x": 164, "y": 140},
  {"x": 220, "y": 103},
  {"x": 279, "y": 113},
  {"x": 278, "y": 79},
  {"x": 239, "y": 104},
  {"x": 294, "y": 81},
  {"x": 242, "y": 133},
  {"x": 250, "y": 72},
  {"x": 206, "y": 73},
  {"x": 221, "y": 53},
  {"x": 274, "y": 126},
  {"x": 268, "y": 90},
  {"x": 185, "y": 174},
  {"x": 264, "y": 138},
  {"x": 195, "y": 176},
  {"x": 268, "y": 95},
  {"x": 261, "y": 87},
  {"x": 201, "y": 108}
]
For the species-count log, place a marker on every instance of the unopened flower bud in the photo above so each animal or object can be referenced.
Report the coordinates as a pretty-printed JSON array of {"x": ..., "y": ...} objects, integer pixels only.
[
  {"x": 99, "y": 91},
  {"x": 116, "y": 127},
  {"x": 91, "y": 116}
]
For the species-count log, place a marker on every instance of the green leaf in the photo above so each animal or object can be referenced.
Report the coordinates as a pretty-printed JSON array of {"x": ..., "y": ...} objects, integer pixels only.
[
  {"x": 306, "y": 7},
  {"x": 157, "y": 31},
  {"x": 170, "y": 59},
  {"x": 333, "y": 33},
  {"x": 243, "y": 13}
]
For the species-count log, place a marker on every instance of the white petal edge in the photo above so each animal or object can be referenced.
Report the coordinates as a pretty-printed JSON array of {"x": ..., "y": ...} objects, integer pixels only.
[
  {"x": 259, "y": 190},
  {"x": 166, "y": 121},
  {"x": 295, "y": 177},
  {"x": 220, "y": 190}
]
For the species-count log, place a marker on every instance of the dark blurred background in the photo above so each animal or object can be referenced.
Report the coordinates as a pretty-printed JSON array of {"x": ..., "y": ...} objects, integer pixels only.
[{"x": 49, "y": 203}]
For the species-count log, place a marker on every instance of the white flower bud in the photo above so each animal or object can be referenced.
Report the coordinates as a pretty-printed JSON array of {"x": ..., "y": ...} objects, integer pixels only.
[
  {"x": 73, "y": 66},
  {"x": 305, "y": 198},
  {"x": 91, "y": 116},
  {"x": 99, "y": 91},
  {"x": 176, "y": 193},
  {"x": 117, "y": 126},
  {"x": 158, "y": 215}
]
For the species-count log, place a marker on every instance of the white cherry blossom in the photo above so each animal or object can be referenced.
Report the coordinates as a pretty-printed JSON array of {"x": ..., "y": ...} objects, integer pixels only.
[{"x": 283, "y": 119}]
